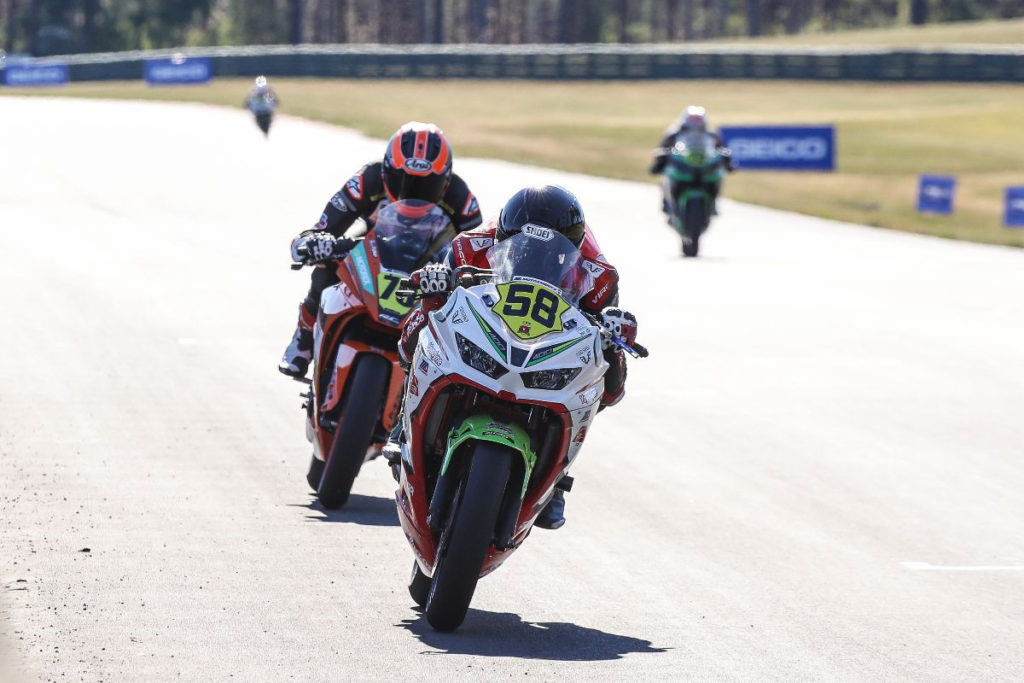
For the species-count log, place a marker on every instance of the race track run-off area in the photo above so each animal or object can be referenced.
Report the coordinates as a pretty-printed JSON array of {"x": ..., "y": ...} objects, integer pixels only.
[{"x": 817, "y": 474}]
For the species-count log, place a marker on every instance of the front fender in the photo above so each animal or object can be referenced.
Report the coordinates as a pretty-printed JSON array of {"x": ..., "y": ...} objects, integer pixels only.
[{"x": 486, "y": 428}]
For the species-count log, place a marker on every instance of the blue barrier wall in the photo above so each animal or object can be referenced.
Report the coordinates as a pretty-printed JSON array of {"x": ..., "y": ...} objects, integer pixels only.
[{"x": 990, "y": 64}]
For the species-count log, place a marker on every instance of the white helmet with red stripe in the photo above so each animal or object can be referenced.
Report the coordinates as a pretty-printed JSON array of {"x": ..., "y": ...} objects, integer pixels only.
[{"x": 417, "y": 163}]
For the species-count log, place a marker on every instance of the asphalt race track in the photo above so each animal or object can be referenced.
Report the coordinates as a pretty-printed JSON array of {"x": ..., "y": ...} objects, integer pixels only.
[{"x": 817, "y": 475}]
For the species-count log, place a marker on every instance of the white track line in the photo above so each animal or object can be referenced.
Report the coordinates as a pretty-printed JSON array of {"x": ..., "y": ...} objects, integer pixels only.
[{"x": 925, "y": 566}]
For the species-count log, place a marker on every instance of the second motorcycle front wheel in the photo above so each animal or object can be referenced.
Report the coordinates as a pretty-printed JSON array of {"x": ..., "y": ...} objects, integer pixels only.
[
  {"x": 354, "y": 433},
  {"x": 467, "y": 535}
]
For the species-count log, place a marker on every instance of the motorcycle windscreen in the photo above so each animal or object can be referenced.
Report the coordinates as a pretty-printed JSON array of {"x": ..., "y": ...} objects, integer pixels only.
[
  {"x": 696, "y": 149},
  {"x": 409, "y": 233},
  {"x": 539, "y": 254}
]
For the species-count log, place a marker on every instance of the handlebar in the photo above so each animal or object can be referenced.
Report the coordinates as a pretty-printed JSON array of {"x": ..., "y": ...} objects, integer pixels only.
[
  {"x": 636, "y": 350},
  {"x": 463, "y": 276},
  {"x": 342, "y": 246},
  {"x": 467, "y": 276}
]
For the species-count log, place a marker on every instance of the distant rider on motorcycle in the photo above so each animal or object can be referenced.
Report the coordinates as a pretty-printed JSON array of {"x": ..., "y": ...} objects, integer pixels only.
[
  {"x": 417, "y": 165},
  {"x": 262, "y": 102},
  {"x": 553, "y": 207},
  {"x": 693, "y": 119}
]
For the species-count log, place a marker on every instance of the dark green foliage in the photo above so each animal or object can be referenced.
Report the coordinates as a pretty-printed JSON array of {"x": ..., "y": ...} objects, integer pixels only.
[{"x": 63, "y": 26}]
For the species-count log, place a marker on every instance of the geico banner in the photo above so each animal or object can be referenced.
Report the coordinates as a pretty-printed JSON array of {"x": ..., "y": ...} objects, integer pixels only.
[
  {"x": 16, "y": 75},
  {"x": 789, "y": 148},
  {"x": 179, "y": 70}
]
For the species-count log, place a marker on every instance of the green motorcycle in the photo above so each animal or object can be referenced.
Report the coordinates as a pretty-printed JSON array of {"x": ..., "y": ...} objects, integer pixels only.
[{"x": 693, "y": 173}]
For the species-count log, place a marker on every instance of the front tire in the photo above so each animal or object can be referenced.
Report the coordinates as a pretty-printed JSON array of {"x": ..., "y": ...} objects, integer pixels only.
[
  {"x": 467, "y": 535},
  {"x": 354, "y": 433},
  {"x": 693, "y": 226}
]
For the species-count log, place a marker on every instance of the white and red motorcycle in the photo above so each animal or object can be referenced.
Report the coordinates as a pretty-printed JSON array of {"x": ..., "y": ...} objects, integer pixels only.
[{"x": 503, "y": 386}]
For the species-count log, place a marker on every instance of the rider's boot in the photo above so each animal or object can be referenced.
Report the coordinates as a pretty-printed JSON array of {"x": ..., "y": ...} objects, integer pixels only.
[
  {"x": 553, "y": 514},
  {"x": 392, "y": 450},
  {"x": 299, "y": 353}
]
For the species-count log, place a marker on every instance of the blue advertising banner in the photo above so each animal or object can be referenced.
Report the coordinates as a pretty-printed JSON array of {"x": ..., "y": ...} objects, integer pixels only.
[
  {"x": 179, "y": 70},
  {"x": 1013, "y": 215},
  {"x": 783, "y": 148},
  {"x": 20, "y": 75},
  {"x": 935, "y": 193}
]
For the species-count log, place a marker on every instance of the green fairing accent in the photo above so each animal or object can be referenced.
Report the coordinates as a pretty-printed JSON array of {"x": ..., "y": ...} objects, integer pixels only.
[
  {"x": 676, "y": 175},
  {"x": 555, "y": 351},
  {"x": 489, "y": 333},
  {"x": 486, "y": 428},
  {"x": 686, "y": 196},
  {"x": 688, "y": 177}
]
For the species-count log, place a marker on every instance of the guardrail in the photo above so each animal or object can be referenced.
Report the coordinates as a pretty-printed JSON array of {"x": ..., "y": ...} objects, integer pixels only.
[{"x": 583, "y": 62}]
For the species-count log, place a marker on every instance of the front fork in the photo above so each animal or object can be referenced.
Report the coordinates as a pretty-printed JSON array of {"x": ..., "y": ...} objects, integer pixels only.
[{"x": 483, "y": 428}]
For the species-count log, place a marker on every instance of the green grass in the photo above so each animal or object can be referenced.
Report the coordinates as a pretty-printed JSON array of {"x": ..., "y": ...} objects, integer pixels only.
[
  {"x": 887, "y": 133},
  {"x": 994, "y": 32}
]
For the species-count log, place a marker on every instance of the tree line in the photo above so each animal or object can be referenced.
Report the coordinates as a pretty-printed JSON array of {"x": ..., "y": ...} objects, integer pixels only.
[{"x": 44, "y": 27}]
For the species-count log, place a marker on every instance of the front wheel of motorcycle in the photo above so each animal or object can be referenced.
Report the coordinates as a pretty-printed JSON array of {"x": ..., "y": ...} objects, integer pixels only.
[
  {"x": 467, "y": 534},
  {"x": 360, "y": 414},
  {"x": 695, "y": 220}
]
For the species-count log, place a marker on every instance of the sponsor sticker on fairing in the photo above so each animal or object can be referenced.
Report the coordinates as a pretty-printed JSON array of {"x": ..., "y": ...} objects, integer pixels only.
[
  {"x": 538, "y": 232},
  {"x": 432, "y": 353},
  {"x": 580, "y": 435},
  {"x": 481, "y": 243},
  {"x": 499, "y": 430}
]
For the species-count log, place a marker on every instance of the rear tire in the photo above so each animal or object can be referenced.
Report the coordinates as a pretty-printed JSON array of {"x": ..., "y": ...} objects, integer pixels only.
[
  {"x": 467, "y": 535},
  {"x": 354, "y": 433},
  {"x": 419, "y": 585},
  {"x": 696, "y": 216},
  {"x": 315, "y": 472},
  {"x": 263, "y": 121}
]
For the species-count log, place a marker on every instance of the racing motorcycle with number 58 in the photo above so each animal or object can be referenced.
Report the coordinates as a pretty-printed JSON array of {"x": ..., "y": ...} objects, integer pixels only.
[{"x": 504, "y": 383}]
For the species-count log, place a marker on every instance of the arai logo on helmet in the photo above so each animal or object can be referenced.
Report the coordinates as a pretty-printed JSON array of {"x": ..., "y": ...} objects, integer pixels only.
[
  {"x": 417, "y": 165},
  {"x": 538, "y": 232}
]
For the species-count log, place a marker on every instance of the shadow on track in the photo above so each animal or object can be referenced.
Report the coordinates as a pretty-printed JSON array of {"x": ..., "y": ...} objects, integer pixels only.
[
  {"x": 360, "y": 509},
  {"x": 501, "y": 634}
]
